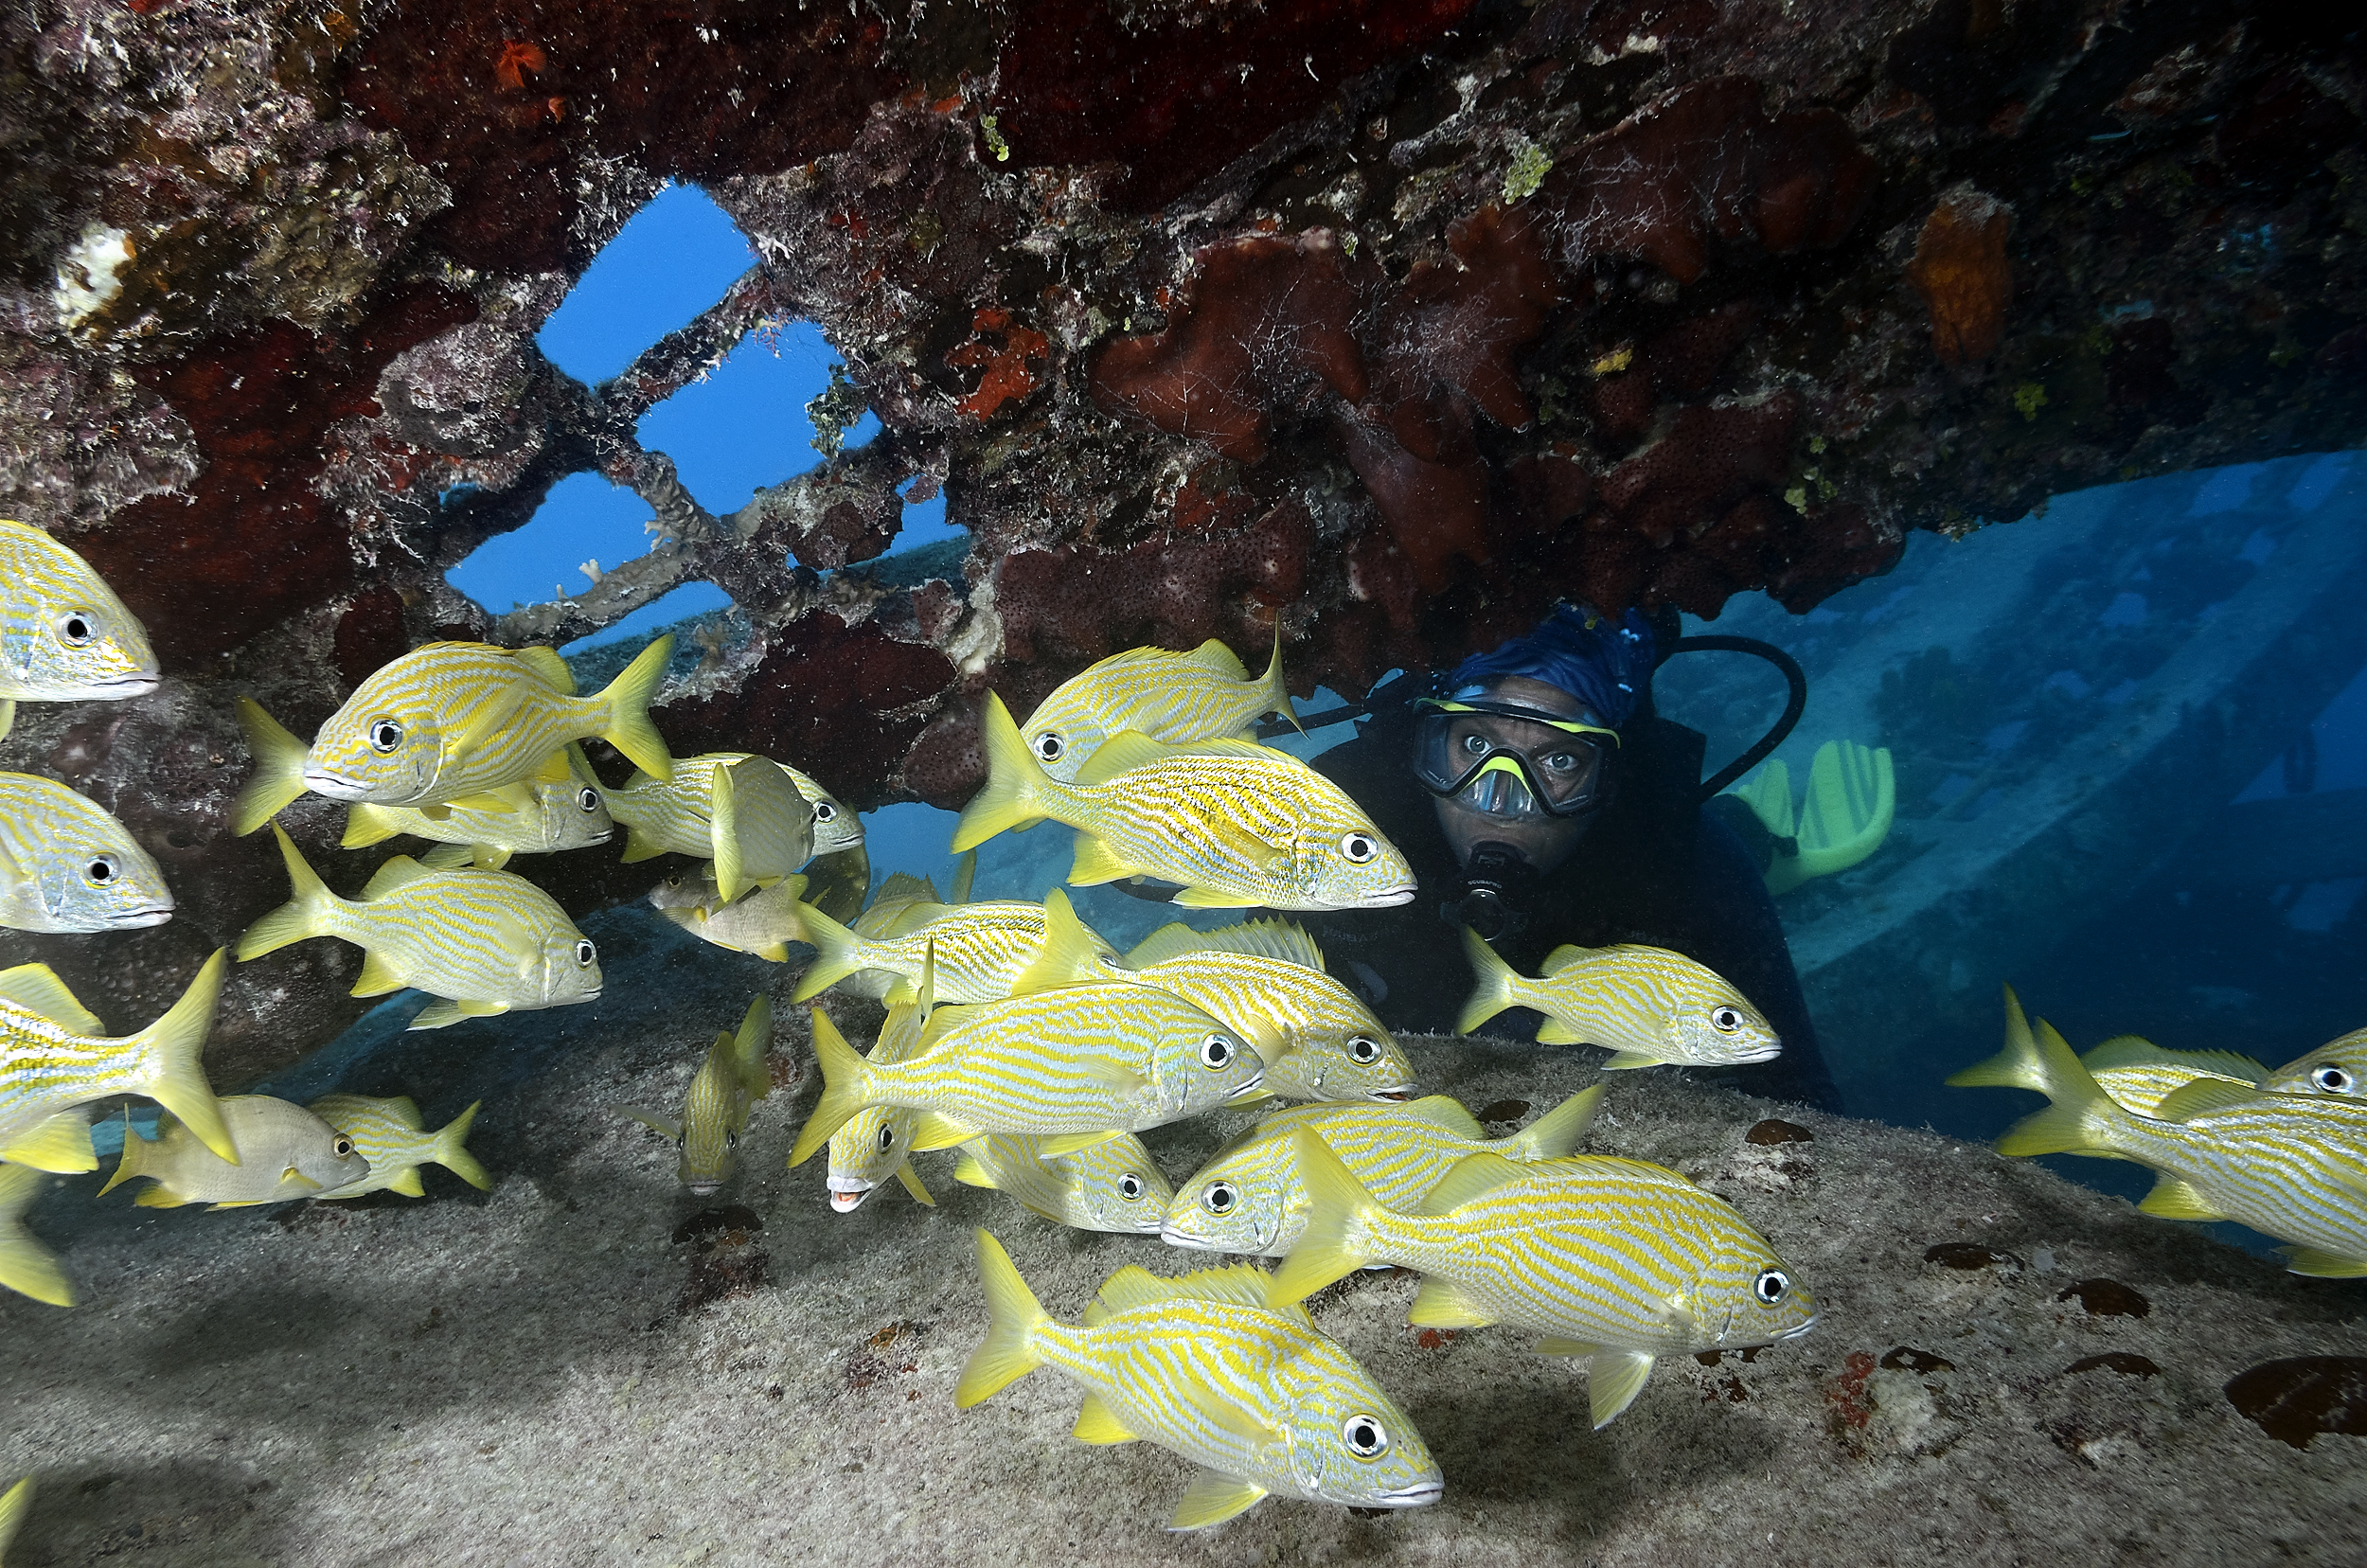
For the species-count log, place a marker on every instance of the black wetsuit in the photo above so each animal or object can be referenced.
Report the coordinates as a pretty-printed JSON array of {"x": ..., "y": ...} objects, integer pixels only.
[{"x": 1654, "y": 868}]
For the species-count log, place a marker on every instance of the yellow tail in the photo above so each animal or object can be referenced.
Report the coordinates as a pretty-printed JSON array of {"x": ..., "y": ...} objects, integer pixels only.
[
  {"x": 1016, "y": 786},
  {"x": 749, "y": 1045},
  {"x": 1557, "y": 1132},
  {"x": 1279, "y": 695},
  {"x": 168, "y": 1053},
  {"x": 628, "y": 697},
  {"x": 838, "y": 952},
  {"x": 1495, "y": 989},
  {"x": 1013, "y": 1315},
  {"x": 845, "y": 1089},
  {"x": 308, "y": 913},
  {"x": 2079, "y": 1120},
  {"x": 2018, "y": 1066},
  {"x": 458, "y": 1160},
  {"x": 1333, "y": 1245},
  {"x": 279, "y": 777},
  {"x": 27, "y": 1267}
]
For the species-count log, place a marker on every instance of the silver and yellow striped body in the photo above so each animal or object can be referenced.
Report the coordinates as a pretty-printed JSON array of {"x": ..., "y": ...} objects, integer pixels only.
[
  {"x": 1175, "y": 697},
  {"x": 66, "y": 864},
  {"x": 54, "y": 1059},
  {"x": 981, "y": 949},
  {"x": 740, "y": 811},
  {"x": 877, "y": 1142},
  {"x": 1647, "y": 1006},
  {"x": 391, "y": 1137},
  {"x": 1320, "y": 1042},
  {"x": 2140, "y": 1075},
  {"x": 65, "y": 636},
  {"x": 548, "y": 815},
  {"x": 1110, "y": 1185}
]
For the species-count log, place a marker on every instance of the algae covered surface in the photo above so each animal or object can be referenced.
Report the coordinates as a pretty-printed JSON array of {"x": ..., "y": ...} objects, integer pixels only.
[{"x": 586, "y": 1364}]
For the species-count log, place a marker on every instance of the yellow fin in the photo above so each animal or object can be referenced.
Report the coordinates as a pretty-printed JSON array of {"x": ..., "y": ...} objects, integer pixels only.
[
  {"x": 1208, "y": 898},
  {"x": 483, "y": 800},
  {"x": 60, "y": 1144},
  {"x": 1061, "y": 1144},
  {"x": 1447, "y": 1112},
  {"x": 1115, "y": 1077},
  {"x": 2323, "y": 1264},
  {"x": 37, "y": 987},
  {"x": 1069, "y": 953},
  {"x": 1474, "y": 1176},
  {"x": 1097, "y": 864},
  {"x": 1212, "y": 1499},
  {"x": 965, "y": 873},
  {"x": 397, "y": 871},
  {"x": 488, "y": 717},
  {"x": 1013, "y": 1315},
  {"x": 1242, "y": 1284},
  {"x": 1122, "y": 753},
  {"x": 29, "y": 1269},
  {"x": 2173, "y": 1197},
  {"x": 1214, "y": 658},
  {"x": 933, "y": 1131},
  {"x": 2137, "y": 1051},
  {"x": 1226, "y": 1414},
  {"x": 1441, "y": 1303},
  {"x": 909, "y": 1180},
  {"x": 557, "y": 768},
  {"x": 408, "y": 1183},
  {"x": 279, "y": 777},
  {"x": 1095, "y": 1424},
  {"x": 1017, "y": 788},
  {"x": 2202, "y": 1095},
  {"x": 443, "y": 1013},
  {"x": 1563, "y": 956},
  {"x": 1554, "y": 1032},
  {"x": 1285, "y": 940},
  {"x": 7, "y": 722},
  {"x": 627, "y": 701},
  {"x": 548, "y": 667},
  {"x": 1623, "y": 1061},
  {"x": 1495, "y": 986},
  {"x": 377, "y": 977},
  {"x": 1613, "y": 1379},
  {"x": 160, "y": 1196},
  {"x": 1557, "y": 1132}
]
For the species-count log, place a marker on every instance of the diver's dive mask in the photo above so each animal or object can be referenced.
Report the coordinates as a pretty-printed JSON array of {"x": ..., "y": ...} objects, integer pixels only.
[{"x": 1509, "y": 758}]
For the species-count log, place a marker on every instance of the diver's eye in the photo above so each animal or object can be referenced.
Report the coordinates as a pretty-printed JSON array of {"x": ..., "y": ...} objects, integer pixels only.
[
  {"x": 1130, "y": 1186},
  {"x": 1365, "y": 1436},
  {"x": 1049, "y": 746},
  {"x": 585, "y": 953},
  {"x": 1770, "y": 1286},
  {"x": 386, "y": 735},
  {"x": 1215, "y": 1053},
  {"x": 1364, "y": 1050},
  {"x": 887, "y": 1139},
  {"x": 589, "y": 798},
  {"x": 342, "y": 1148},
  {"x": 103, "y": 871},
  {"x": 1725, "y": 1020},
  {"x": 1560, "y": 762},
  {"x": 75, "y": 628},
  {"x": 1475, "y": 744},
  {"x": 1219, "y": 1198},
  {"x": 825, "y": 811},
  {"x": 1358, "y": 847},
  {"x": 2333, "y": 1079}
]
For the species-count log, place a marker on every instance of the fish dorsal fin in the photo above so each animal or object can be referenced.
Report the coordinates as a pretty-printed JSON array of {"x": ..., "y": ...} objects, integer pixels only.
[
  {"x": 404, "y": 1110},
  {"x": 548, "y": 667},
  {"x": 942, "y": 1022},
  {"x": 1168, "y": 941},
  {"x": 2203, "y": 1095},
  {"x": 37, "y": 987},
  {"x": 1214, "y": 658},
  {"x": 1069, "y": 953},
  {"x": 1283, "y": 941},
  {"x": 1241, "y": 1284},
  {"x": 904, "y": 921},
  {"x": 2137, "y": 1051},
  {"x": 1447, "y": 1112},
  {"x": 1563, "y": 956},
  {"x": 902, "y": 886},
  {"x": 1472, "y": 1178},
  {"x": 396, "y": 872}
]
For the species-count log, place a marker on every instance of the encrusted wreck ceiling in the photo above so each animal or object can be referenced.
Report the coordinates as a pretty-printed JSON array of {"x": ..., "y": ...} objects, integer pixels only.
[{"x": 1389, "y": 320}]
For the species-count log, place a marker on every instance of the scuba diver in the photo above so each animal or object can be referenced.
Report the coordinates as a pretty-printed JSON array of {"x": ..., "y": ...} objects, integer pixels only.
[{"x": 1542, "y": 801}]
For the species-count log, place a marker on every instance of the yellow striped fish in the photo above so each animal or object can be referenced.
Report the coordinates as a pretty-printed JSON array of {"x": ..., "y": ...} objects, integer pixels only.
[
  {"x": 1613, "y": 1260},
  {"x": 2339, "y": 1067},
  {"x": 1237, "y": 825},
  {"x": 1648, "y": 1006},
  {"x": 981, "y": 950},
  {"x": 1177, "y": 698},
  {"x": 66, "y": 864},
  {"x": 391, "y": 1137},
  {"x": 2141, "y": 1075},
  {"x": 543, "y": 816},
  {"x": 484, "y": 942},
  {"x": 284, "y": 1152},
  {"x": 64, "y": 637},
  {"x": 1207, "y": 1367},
  {"x": 1250, "y": 1198},
  {"x": 53, "y": 1058},
  {"x": 763, "y": 921},
  {"x": 835, "y": 828},
  {"x": 740, "y": 811},
  {"x": 449, "y": 725},
  {"x": 1110, "y": 1185},
  {"x": 877, "y": 1142},
  {"x": 2293, "y": 1166},
  {"x": 904, "y": 902},
  {"x": 723, "y": 1095},
  {"x": 14, "y": 1504},
  {"x": 27, "y": 1268},
  {"x": 1083, "y": 1060},
  {"x": 1265, "y": 979}
]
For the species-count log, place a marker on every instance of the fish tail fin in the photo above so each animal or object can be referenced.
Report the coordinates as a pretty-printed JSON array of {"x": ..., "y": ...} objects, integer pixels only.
[
  {"x": 1013, "y": 794},
  {"x": 1557, "y": 1132},
  {"x": 1279, "y": 695},
  {"x": 27, "y": 1267},
  {"x": 169, "y": 1050},
  {"x": 458, "y": 1160},
  {"x": 750, "y": 1044},
  {"x": 2079, "y": 1120},
  {"x": 1334, "y": 1244},
  {"x": 1494, "y": 992},
  {"x": 628, "y": 699},
  {"x": 305, "y": 913},
  {"x": 845, "y": 1089},
  {"x": 838, "y": 952},
  {"x": 1013, "y": 1315},
  {"x": 279, "y": 777},
  {"x": 2018, "y": 1066}
]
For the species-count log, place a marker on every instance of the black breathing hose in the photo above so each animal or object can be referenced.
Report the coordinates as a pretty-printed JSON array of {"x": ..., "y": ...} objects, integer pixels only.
[{"x": 1795, "y": 704}]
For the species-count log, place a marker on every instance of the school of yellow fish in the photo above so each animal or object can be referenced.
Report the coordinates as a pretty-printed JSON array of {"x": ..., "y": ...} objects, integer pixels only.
[{"x": 1021, "y": 1041}]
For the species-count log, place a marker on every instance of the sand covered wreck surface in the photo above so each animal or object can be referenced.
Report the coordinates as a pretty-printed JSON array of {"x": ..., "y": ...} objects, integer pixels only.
[{"x": 586, "y": 1364}]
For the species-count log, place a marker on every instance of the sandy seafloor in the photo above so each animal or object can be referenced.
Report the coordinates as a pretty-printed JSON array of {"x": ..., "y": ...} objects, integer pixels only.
[{"x": 527, "y": 1375}]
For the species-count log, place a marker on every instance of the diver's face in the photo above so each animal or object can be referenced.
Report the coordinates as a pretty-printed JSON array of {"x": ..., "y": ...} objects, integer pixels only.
[{"x": 1544, "y": 841}]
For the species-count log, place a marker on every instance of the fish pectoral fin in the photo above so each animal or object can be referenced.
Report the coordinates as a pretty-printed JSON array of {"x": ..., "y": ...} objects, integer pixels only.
[
  {"x": 1554, "y": 1032},
  {"x": 1212, "y": 1499},
  {"x": 8, "y": 716},
  {"x": 2173, "y": 1197},
  {"x": 932, "y": 1131},
  {"x": 2193, "y": 1098},
  {"x": 1115, "y": 1077},
  {"x": 60, "y": 1145},
  {"x": 1621, "y": 1061},
  {"x": 2319, "y": 1262},
  {"x": 910, "y": 1180},
  {"x": 437, "y": 813},
  {"x": 377, "y": 977},
  {"x": 37, "y": 987},
  {"x": 292, "y": 1177},
  {"x": 651, "y": 1120},
  {"x": 1441, "y": 1303},
  {"x": 1613, "y": 1379},
  {"x": 1254, "y": 1096},
  {"x": 1226, "y": 1413},
  {"x": 491, "y": 715},
  {"x": 1097, "y": 864},
  {"x": 1554, "y": 1345},
  {"x": 1095, "y": 1424},
  {"x": 486, "y": 801}
]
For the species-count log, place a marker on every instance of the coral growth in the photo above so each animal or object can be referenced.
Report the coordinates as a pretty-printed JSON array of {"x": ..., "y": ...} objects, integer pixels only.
[{"x": 1961, "y": 271}]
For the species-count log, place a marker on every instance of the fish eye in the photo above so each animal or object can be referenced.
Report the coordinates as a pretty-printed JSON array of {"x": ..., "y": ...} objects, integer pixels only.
[
  {"x": 75, "y": 628},
  {"x": 731, "y": 1139},
  {"x": 824, "y": 810},
  {"x": 887, "y": 1139},
  {"x": 103, "y": 871},
  {"x": 1219, "y": 1197},
  {"x": 1130, "y": 1186},
  {"x": 2333, "y": 1079},
  {"x": 589, "y": 798},
  {"x": 342, "y": 1148},
  {"x": 1364, "y": 1050},
  {"x": 1725, "y": 1020},
  {"x": 1365, "y": 1436},
  {"x": 1049, "y": 746},
  {"x": 1770, "y": 1286},
  {"x": 384, "y": 734},
  {"x": 1215, "y": 1053},
  {"x": 1358, "y": 847},
  {"x": 585, "y": 953}
]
